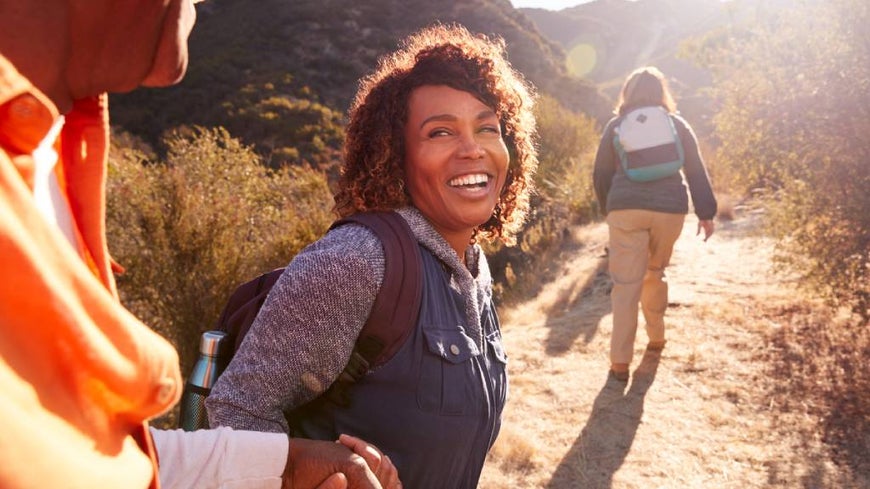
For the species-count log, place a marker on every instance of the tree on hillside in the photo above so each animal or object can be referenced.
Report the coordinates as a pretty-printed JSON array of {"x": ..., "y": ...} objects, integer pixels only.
[
  {"x": 191, "y": 228},
  {"x": 287, "y": 129},
  {"x": 795, "y": 127}
]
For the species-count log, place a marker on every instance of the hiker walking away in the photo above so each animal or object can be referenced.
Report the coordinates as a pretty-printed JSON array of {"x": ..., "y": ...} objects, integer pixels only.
[
  {"x": 646, "y": 157},
  {"x": 431, "y": 133},
  {"x": 80, "y": 376}
]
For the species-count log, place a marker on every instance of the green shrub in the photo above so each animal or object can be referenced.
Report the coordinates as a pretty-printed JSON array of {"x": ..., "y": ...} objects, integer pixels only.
[
  {"x": 189, "y": 229},
  {"x": 795, "y": 128},
  {"x": 568, "y": 142},
  {"x": 287, "y": 130},
  {"x": 566, "y": 151}
]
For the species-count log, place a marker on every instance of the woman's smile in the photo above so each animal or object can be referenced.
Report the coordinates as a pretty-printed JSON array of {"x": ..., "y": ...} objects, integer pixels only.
[
  {"x": 473, "y": 181},
  {"x": 455, "y": 160}
]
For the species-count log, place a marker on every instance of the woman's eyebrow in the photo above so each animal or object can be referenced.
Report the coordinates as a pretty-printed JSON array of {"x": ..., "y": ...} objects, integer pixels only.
[
  {"x": 438, "y": 118},
  {"x": 484, "y": 114}
]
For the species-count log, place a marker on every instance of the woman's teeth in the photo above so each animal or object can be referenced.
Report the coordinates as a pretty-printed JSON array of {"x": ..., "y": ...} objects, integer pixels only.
[{"x": 475, "y": 180}]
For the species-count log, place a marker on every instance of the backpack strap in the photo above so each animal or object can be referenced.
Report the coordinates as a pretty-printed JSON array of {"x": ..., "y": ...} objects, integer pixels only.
[
  {"x": 392, "y": 318},
  {"x": 396, "y": 305},
  {"x": 242, "y": 307}
]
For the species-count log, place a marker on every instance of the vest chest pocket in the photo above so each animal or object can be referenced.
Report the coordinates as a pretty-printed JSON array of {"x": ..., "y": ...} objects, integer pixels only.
[
  {"x": 495, "y": 342},
  {"x": 498, "y": 369},
  {"x": 449, "y": 378}
]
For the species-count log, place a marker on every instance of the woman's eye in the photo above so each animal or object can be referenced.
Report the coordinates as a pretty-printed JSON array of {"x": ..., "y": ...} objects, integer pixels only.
[
  {"x": 438, "y": 133},
  {"x": 491, "y": 129}
]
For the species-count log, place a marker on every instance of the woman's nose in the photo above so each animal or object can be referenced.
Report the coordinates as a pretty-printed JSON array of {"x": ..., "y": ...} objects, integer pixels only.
[{"x": 471, "y": 148}]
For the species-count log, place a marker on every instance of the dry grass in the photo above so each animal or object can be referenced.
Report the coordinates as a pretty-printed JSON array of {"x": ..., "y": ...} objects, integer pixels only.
[{"x": 756, "y": 388}]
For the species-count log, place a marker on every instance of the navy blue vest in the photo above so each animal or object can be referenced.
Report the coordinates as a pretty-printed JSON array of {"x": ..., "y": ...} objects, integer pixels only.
[{"x": 435, "y": 407}]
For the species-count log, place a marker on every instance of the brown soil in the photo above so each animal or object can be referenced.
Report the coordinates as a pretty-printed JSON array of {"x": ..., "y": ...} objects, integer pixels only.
[{"x": 716, "y": 409}]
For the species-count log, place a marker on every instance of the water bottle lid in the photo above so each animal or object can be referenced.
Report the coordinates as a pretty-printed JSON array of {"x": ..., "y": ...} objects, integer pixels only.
[{"x": 210, "y": 342}]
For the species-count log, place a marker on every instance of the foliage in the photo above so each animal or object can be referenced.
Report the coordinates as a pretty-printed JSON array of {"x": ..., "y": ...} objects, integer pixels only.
[
  {"x": 821, "y": 360},
  {"x": 795, "y": 127},
  {"x": 190, "y": 229},
  {"x": 568, "y": 142},
  {"x": 286, "y": 129},
  {"x": 564, "y": 196},
  {"x": 283, "y": 121}
]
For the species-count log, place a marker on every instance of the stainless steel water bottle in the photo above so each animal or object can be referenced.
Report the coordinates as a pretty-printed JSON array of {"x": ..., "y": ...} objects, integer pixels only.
[{"x": 205, "y": 372}]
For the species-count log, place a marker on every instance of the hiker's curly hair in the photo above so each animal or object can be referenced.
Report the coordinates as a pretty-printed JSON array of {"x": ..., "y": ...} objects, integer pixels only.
[{"x": 373, "y": 176}]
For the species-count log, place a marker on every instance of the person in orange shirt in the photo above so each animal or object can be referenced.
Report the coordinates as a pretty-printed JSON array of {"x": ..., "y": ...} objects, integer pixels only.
[{"x": 80, "y": 375}]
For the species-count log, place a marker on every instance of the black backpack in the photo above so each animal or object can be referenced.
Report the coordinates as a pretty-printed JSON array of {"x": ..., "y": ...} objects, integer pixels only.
[{"x": 391, "y": 320}]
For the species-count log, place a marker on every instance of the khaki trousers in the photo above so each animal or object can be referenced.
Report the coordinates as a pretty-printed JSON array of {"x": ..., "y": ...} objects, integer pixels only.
[{"x": 641, "y": 244}]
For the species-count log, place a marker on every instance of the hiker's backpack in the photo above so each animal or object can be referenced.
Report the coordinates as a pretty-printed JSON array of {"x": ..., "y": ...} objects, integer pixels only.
[
  {"x": 648, "y": 145},
  {"x": 391, "y": 320}
]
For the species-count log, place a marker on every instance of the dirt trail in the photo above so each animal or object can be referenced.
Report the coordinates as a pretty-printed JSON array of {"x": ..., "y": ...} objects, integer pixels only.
[{"x": 690, "y": 417}]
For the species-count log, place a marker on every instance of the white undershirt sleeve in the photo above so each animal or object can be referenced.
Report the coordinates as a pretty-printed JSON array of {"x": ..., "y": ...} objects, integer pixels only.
[
  {"x": 220, "y": 458},
  {"x": 50, "y": 201}
]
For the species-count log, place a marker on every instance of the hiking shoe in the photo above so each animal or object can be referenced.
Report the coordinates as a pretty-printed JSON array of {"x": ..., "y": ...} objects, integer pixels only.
[{"x": 618, "y": 376}]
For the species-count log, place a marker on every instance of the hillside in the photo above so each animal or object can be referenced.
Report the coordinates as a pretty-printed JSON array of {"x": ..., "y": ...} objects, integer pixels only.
[
  {"x": 620, "y": 35},
  {"x": 279, "y": 74},
  {"x": 604, "y": 40},
  {"x": 265, "y": 68}
]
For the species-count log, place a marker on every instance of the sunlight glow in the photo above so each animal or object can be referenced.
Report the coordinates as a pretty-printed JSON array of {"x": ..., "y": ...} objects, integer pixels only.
[{"x": 582, "y": 59}]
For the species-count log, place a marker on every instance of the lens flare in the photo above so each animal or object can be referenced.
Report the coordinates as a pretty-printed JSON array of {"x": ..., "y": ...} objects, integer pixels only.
[{"x": 582, "y": 59}]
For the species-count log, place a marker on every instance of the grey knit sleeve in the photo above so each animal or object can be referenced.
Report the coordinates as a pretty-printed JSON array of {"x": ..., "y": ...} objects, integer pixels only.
[
  {"x": 605, "y": 166},
  {"x": 695, "y": 170},
  {"x": 304, "y": 334}
]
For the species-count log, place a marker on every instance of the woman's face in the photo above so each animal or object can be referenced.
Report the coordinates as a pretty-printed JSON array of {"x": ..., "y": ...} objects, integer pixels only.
[{"x": 455, "y": 159}]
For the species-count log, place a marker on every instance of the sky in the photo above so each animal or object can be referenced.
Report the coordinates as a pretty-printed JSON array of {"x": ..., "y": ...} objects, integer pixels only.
[{"x": 547, "y": 4}]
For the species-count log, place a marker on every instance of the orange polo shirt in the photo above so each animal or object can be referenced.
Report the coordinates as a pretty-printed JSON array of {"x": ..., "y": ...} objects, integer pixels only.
[{"x": 79, "y": 374}]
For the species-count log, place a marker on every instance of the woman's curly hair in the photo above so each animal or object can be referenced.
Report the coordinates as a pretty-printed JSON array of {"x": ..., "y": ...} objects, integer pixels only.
[{"x": 373, "y": 176}]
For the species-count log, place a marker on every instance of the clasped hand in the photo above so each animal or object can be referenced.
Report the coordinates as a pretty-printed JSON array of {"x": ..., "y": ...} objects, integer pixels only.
[{"x": 351, "y": 463}]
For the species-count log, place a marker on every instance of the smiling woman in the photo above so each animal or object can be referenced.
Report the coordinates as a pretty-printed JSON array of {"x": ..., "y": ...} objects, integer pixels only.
[
  {"x": 376, "y": 160},
  {"x": 455, "y": 160},
  {"x": 441, "y": 133}
]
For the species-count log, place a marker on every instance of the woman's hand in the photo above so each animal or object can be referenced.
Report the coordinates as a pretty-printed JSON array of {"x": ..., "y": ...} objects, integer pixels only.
[
  {"x": 708, "y": 226},
  {"x": 335, "y": 481},
  {"x": 327, "y": 465},
  {"x": 379, "y": 463}
]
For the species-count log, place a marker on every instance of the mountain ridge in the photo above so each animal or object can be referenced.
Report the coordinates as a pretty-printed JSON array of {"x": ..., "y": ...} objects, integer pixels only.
[
  {"x": 250, "y": 58},
  {"x": 280, "y": 74}
]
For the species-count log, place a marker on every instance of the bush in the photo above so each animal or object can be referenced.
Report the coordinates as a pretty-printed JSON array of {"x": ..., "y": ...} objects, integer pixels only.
[
  {"x": 568, "y": 143},
  {"x": 795, "y": 128},
  {"x": 190, "y": 229},
  {"x": 285, "y": 129},
  {"x": 565, "y": 195}
]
